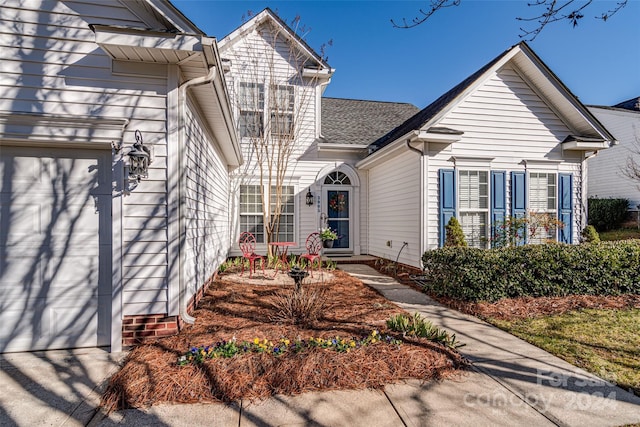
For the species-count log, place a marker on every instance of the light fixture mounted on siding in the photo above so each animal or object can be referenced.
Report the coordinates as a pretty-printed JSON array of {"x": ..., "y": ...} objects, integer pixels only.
[
  {"x": 309, "y": 198},
  {"x": 139, "y": 159}
]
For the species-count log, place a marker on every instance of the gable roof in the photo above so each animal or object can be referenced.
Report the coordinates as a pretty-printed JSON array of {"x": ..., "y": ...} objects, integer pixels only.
[
  {"x": 630, "y": 104},
  {"x": 267, "y": 15},
  {"x": 358, "y": 122},
  {"x": 573, "y": 112}
]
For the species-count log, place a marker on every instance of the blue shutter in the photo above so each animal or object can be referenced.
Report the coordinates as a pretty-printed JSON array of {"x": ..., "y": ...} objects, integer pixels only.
[
  {"x": 447, "y": 205},
  {"x": 519, "y": 201},
  {"x": 498, "y": 200},
  {"x": 565, "y": 206}
]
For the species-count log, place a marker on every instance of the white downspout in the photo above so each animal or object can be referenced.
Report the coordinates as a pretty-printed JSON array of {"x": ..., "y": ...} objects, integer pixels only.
[{"x": 182, "y": 123}]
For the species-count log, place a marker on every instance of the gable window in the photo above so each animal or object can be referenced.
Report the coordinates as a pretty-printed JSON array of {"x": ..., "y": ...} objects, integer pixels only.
[
  {"x": 251, "y": 102},
  {"x": 282, "y": 104},
  {"x": 252, "y": 221},
  {"x": 474, "y": 206},
  {"x": 542, "y": 207}
]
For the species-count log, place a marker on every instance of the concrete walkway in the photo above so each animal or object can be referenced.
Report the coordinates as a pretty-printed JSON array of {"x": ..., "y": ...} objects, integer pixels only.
[{"x": 511, "y": 383}]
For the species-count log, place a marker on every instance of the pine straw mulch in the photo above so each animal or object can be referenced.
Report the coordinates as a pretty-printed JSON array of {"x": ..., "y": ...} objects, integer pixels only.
[{"x": 151, "y": 375}]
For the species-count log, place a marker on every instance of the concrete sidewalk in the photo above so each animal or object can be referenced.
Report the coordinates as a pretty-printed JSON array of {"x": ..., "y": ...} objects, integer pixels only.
[{"x": 512, "y": 383}]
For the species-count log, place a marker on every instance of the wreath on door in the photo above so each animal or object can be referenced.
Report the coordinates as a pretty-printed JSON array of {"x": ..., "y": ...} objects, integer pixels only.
[{"x": 338, "y": 202}]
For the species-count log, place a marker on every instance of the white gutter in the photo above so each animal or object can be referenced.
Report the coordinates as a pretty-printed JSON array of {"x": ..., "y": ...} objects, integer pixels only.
[{"x": 182, "y": 109}]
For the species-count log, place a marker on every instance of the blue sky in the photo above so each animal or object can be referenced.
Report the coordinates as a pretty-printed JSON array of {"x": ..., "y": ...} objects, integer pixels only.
[{"x": 598, "y": 61}]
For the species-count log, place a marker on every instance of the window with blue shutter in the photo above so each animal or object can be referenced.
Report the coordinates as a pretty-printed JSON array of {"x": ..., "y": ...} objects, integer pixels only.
[
  {"x": 447, "y": 205},
  {"x": 565, "y": 206},
  {"x": 519, "y": 202},
  {"x": 498, "y": 201}
]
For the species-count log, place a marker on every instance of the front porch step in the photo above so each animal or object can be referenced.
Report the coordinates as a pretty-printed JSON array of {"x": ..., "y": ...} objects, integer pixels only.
[{"x": 349, "y": 259}]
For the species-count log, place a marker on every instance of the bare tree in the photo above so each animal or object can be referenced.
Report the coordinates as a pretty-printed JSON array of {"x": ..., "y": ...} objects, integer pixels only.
[
  {"x": 274, "y": 86},
  {"x": 553, "y": 11}
]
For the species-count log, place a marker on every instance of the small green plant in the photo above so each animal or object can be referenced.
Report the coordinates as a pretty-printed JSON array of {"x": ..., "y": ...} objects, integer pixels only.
[
  {"x": 328, "y": 234},
  {"x": 232, "y": 348},
  {"x": 417, "y": 326},
  {"x": 331, "y": 265},
  {"x": 454, "y": 234},
  {"x": 590, "y": 235}
]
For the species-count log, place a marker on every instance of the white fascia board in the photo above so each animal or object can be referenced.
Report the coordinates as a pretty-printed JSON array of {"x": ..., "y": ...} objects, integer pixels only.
[
  {"x": 327, "y": 146},
  {"x": 426, "y": 136},
  {"x": 585, "y": 145},
  {"x": 145, "y": 39},
  {"x": 173, "y": 15}
]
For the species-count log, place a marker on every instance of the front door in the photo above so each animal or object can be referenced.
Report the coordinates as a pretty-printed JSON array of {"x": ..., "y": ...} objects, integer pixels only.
[{"x": 338, "y": 209}]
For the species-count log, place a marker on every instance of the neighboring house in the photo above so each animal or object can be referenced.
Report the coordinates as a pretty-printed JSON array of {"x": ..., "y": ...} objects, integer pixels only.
[
  {"x": 89, "y": 257},
  {"x": 606, "y": 169},
  {"x": 509, "y": 140}
]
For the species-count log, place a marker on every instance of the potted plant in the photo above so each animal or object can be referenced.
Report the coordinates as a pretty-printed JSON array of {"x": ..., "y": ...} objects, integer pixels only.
[{"x": 328, "y": 236}]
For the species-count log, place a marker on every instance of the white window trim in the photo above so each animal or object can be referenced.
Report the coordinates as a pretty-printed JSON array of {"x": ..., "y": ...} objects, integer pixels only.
[
  {"x": 291, "y": 182},
  {"x": 482, "y": 167},
  {"x": 553, "y": 212}
]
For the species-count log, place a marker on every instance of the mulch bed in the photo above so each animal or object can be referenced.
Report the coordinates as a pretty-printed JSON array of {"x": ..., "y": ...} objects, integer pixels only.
[{"x": 230, "y": 309}]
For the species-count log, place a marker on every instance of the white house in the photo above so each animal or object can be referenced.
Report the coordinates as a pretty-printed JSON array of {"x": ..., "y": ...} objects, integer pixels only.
[
  {"x": 89, "y": 256},
  {"x": 606, "y": 169},
  {"x": 92, "y": 254},
  {"x": 511, "y": 139},
  {"x": 267, "y": 62}
]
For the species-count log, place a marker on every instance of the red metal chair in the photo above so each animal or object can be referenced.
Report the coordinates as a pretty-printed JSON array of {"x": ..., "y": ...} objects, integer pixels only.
[
  {"x": 314, "y": 246},
  {"x": 248, "y": 247}
]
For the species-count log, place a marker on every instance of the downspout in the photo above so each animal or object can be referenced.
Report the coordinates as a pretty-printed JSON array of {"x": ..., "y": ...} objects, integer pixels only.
[
  {"x": 422, "y": 210},
  {"x": 182, "y": 123}
]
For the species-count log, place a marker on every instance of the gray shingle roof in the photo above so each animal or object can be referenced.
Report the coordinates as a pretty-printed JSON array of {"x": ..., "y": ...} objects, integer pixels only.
[
  {"x": 353, "y": 121},
  {"x": 631, "y": 104}
]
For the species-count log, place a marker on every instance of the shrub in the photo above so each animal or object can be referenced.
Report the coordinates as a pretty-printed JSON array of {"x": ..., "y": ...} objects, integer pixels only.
[
  {"x": 299, "y": 306},
  {"x": 609, "y": 268},
  {"x": 590, "y": 235},
  {"x": 417, "y": 326},
  {"x": 454, "y": 234},
  {"x": 607, "y": 214}
]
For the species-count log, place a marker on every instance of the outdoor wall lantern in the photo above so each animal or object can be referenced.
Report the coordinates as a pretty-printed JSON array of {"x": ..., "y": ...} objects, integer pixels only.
[
  {"x": 309, "y": 198},
  {"x": 139, "y": 159}
]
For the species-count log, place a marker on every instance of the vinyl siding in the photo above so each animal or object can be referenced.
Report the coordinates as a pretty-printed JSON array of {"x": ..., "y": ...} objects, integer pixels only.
[
  {"x": 506, "y": 121},
  {"x": 206, "y": 234},
  {"x": 50, "y": 65},
  {"x": 394, "y": 205},
  {"x": 605, "y": 170},
  {"x": 307, "y": 167}
]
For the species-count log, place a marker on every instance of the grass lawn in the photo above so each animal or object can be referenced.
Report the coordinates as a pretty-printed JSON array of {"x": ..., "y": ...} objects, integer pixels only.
[
  {"x": 605, "y": 342},
  {"x": 249, "y": 314},
  {"x": 620, "y": 234}
]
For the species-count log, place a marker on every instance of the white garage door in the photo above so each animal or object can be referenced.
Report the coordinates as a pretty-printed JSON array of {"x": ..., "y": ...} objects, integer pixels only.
[{"x": 55, "y": 248}]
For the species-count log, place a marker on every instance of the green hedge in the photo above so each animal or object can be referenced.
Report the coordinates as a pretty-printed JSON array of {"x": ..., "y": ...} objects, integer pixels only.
[
  {"x": 608, "y": 268},
  {"x": 607, "y": 214}
]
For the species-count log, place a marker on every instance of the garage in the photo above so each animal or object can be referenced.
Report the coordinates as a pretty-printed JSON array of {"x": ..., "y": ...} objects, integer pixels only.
[{"x": 55, "y": 248}]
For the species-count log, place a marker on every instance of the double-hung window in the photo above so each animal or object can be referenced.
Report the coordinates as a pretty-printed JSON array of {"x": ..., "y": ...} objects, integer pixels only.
[
  {"x": 251, "y": 101},
  {"x": 284, "y": 230},
  {"x": 251, "y": 219},
  {"x": 281, "y": 104},
  {"x": 542, "y": 207},
  {"x": 474, "y": 206}
]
